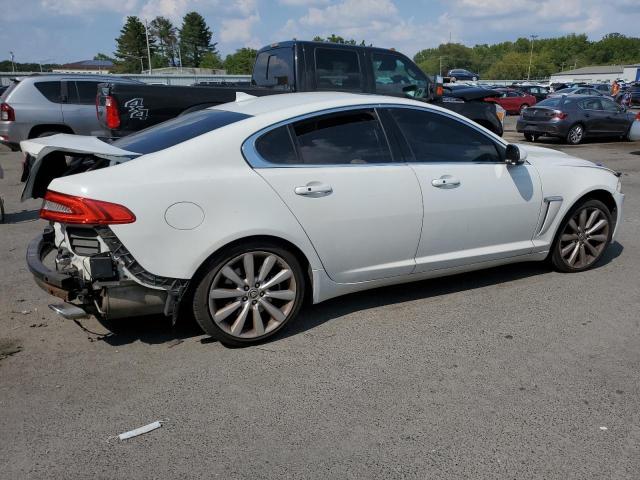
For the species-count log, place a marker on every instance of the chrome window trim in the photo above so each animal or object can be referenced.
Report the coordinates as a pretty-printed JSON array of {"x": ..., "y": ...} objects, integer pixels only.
[{"x": 255, "y": 160}]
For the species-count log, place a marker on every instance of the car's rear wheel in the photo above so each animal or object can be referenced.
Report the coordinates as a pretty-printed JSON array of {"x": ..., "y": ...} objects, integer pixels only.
[
  {"x": 249, "y": 293},
  {"x": 575, "y": 135},
  {"x": 582, "y": 237}
]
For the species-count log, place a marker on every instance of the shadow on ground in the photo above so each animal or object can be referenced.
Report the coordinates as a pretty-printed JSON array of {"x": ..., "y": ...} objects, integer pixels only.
[
  {"x": 158, "y": 329},
  {"x": 21, "y": 217}
]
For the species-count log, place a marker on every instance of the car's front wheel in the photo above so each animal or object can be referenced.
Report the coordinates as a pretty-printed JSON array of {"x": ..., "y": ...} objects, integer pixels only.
[
  {"x": 582, "y": 237},
  {"x": 248, "y": 293}
]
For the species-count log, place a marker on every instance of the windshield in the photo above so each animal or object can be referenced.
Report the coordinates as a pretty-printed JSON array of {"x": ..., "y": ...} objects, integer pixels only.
[
  {"x": 177, "y": 130},
  {"x": 551, "y": 102}
]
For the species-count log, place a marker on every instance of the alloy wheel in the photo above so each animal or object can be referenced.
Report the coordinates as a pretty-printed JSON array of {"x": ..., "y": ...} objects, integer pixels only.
[
  {"x": 252, "y": 294},
  {"x": 575, "y": 134},
  {"x": 584, "y": 238}
]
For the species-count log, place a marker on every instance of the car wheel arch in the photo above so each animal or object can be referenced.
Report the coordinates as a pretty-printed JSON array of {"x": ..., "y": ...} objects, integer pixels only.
[
  {"x": 201, "y": 271},
  {"x": 599, "y": 194},
  {"x": 40, "y": 129}
]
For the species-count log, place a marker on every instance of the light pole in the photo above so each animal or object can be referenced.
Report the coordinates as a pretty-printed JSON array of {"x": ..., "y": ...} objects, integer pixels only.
[
  {"x": 532, "y": 37},
  {"x": 146, "y": 31},
  {"x": 13, "y": 65}
]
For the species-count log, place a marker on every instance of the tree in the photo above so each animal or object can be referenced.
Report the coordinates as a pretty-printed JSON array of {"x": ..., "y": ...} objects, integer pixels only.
[
  {"x": 195, "y": 39},
  {"x": 338, "y": 39},
  {"x": 241, "y": 62},
  {"x": 211, "y": 60},
  {"x": 132, "y": 46},
  {"x": 165, "y": 33},
  {"x": 103, "y": 56}
]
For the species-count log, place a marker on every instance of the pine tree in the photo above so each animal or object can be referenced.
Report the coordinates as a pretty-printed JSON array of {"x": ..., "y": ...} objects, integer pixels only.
[
  {"x": 132, "y": 46},
  {"x": 165, "y": 34},
  {"x": 195, "y": 39}
]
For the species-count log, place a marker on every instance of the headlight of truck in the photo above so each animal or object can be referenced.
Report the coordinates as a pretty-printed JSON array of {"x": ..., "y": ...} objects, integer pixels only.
[{"x": 500, "y": 113}]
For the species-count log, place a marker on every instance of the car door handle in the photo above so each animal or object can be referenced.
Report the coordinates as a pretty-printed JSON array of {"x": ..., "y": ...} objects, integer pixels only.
[
  {"x": 314, "y": 189},
  {"x": 445, "y": 181}
]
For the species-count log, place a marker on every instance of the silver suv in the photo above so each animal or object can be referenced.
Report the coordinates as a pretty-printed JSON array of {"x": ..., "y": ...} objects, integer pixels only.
[{"x": 43, "y": 105}]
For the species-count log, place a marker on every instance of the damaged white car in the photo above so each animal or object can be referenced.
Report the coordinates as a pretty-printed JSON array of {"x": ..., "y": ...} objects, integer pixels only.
[{"x": 242, "y": 211}]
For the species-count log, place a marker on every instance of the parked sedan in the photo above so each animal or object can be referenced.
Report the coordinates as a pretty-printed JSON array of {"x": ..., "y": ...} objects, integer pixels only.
[
  {"x": 241, "y": 211},
  {"x": 462, "y": 74},
  {"x": 512, "y": 100},
  {"x": 574, "y": 118},
  {"x": 537, "y": 91},
  {"x": 575, "y": 91}
]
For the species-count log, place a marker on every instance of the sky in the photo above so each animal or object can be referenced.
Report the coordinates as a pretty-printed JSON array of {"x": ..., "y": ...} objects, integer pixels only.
[{"x": 64, "y": 31}]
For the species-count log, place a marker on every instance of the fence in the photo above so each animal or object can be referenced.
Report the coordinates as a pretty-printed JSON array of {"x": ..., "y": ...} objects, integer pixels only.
[{"x": 5, "y": 78}]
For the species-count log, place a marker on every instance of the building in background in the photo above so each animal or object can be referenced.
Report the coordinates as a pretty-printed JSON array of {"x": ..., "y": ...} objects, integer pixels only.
[
  {"x": 86, "y": 66},
  {"x": 605, "y": 73}
]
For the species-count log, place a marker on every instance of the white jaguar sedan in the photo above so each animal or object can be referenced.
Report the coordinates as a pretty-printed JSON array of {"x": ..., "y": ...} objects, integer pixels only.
[{"x": 242, "y": 211}]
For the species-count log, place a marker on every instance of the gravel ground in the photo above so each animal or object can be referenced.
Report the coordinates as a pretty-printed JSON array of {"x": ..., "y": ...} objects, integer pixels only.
[{"x": 515, "y": 372}]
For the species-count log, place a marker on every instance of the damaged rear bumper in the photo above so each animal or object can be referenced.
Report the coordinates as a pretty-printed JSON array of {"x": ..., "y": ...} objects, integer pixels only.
[{"x": 119, "y": 294}]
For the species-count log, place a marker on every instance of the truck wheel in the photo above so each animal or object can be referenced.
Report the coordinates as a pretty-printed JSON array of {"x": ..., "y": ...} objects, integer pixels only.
[{"x": 249, "y": 292}]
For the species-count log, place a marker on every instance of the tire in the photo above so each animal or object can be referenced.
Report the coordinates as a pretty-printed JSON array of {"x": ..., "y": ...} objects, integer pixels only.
[
  {"x": 575, "y": 249},
  {"x": 575, "y": 135},
  {"x": 523, "y": 107},
  {"x": 531, "y": 137},
  {"x": 245, "y": 313}
]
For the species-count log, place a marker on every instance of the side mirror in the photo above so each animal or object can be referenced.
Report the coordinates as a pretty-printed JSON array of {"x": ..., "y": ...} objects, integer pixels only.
[{"x": 515, "y": 156}]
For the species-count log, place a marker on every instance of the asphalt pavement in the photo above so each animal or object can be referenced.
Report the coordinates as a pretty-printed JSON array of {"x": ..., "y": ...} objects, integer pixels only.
[{"x": 516, "y": 372}]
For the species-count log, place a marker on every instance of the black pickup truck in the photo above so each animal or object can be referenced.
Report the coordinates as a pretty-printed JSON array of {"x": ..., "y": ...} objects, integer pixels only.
[{"x": 293, "y": 66}]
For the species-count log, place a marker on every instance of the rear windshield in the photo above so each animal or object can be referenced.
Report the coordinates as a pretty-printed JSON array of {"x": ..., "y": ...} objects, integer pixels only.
[
  {"x": 177, "y": 130},
  {"x": 551, "y": 102}
]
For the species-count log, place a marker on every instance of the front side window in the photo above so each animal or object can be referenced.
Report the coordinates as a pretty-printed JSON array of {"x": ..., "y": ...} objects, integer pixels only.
[
  {"x": 274, "y": 69},
  {"x": 345, "y": 138},
  {"x": 337, "y": 69},
  {"x": 609, "y": 106},
  {"x": 433, "y": 137},
  {"x": 393, "y": 73}
]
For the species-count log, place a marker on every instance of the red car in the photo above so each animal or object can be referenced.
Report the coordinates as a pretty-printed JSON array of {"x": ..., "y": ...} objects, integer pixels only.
[{"x": 512, "y": 100}]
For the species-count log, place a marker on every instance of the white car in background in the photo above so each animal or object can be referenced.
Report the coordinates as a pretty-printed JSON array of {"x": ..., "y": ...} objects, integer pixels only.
[{"x": 237, "y": 212}]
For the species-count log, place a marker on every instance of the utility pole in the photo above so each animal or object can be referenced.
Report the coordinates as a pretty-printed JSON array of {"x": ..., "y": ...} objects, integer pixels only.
[
  {"x": 13, "y": 65},
  {"x": 532, "y": 37},
  {"x": 146, "y": 31}
]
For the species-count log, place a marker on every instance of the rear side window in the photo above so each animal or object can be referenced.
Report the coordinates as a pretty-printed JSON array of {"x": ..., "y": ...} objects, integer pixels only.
[
  {"x": 591, "y": 104},
  {"x": 433, "y": 137},
  {"x": 51, "y": 90},
  {"x": 276, "y": 146},
  {"x": 346, "y": 138},
  {"x": 177, "y": 130},
  {"x": 274, "y": 69},
  {"x": 86, "y": 92},
  {"x": 337, "y": 69}
]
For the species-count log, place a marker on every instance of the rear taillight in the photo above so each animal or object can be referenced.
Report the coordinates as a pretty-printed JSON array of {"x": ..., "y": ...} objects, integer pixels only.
[
  {"x": 559, "y": 116},
  {"x": 59, "y": 207},
  {"x": 112, "y": 117},
  {"x": 7, "y": 113},
  {"x": 638, "y": 116}
]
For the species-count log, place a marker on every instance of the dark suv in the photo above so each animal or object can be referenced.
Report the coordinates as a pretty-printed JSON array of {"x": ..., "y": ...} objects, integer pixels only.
[{"x": 575, "y": 117}]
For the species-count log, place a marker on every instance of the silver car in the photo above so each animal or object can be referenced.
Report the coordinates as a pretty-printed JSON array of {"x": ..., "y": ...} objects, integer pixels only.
[{"x": 39, "y": 106}]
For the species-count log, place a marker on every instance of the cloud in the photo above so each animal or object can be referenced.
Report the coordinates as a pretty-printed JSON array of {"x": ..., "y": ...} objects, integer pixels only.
[
  {"x": 238, "y": 29},
  {"x": 80, "y": 7}
]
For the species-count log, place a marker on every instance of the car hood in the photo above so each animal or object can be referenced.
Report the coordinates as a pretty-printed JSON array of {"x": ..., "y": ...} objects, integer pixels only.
[
  {"x": 541, "y": 157},
  {"x": 472, "y": 93}
]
